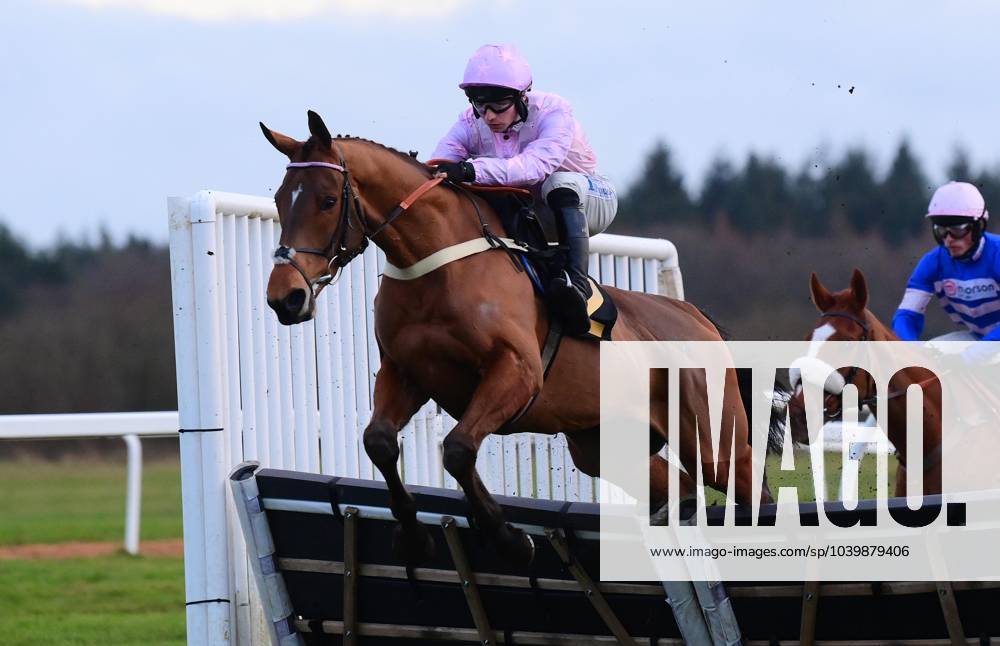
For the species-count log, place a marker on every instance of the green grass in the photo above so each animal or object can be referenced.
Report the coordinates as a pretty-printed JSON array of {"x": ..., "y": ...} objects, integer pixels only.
[
  {"x": 111, "y": 600},
  {"x": 117, "y": 599},
  {"x": 46, "y": 502},
  {"x": 801, "y": 477}
]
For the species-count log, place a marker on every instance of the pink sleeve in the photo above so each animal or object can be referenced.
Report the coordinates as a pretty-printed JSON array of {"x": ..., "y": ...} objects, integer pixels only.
[
  {"x": 456, "y": 145},
  {"x": 539, "y": 159}
]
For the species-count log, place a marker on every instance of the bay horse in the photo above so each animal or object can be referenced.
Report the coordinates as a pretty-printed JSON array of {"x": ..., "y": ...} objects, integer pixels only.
[
  {"x": 468, "y": 334},
  {"x": 844, "y": 316}
]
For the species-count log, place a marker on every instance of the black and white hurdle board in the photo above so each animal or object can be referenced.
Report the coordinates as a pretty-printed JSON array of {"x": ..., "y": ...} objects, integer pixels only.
[{"x": 320, "y": 549}]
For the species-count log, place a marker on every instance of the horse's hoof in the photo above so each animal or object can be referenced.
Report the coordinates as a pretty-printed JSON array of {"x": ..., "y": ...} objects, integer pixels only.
[
  {"x": 517, "y": 546},
  {"x": 412, "y": 544}
]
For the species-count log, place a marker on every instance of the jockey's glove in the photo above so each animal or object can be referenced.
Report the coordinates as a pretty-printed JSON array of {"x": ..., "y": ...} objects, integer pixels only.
[{"x": 461, "y": 171}]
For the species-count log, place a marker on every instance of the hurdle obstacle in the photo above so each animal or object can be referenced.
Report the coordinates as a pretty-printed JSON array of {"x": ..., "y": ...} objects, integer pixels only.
[
  {"x": 298, "y": 398},
  {"x": 323, "y": 553}
]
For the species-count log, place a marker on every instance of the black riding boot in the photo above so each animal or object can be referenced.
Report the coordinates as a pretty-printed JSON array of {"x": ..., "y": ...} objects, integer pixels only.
[{"x": 569, "y": 290}]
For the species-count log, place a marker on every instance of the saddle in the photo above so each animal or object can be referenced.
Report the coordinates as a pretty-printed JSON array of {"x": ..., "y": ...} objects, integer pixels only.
[{"x": 535, "y": 229}]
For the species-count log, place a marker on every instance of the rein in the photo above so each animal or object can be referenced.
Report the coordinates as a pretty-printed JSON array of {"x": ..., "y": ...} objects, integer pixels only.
[{"x": 338, "y": 255}]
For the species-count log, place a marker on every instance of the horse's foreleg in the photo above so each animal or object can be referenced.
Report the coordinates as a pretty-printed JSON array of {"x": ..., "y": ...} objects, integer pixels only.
[
  {"x": 396, "y": 401},
  {"x": 504, "y": 389}
]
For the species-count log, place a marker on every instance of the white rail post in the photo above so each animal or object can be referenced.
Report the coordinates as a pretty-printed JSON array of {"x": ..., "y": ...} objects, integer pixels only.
[
  {"x": 670, "y": 281},
  {"x": 133, "y": 492},
  {"x": 195, "y": 280}
]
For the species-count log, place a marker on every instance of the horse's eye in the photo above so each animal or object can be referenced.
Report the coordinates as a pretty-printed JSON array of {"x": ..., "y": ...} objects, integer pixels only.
[{"x": 328, "y": 202}]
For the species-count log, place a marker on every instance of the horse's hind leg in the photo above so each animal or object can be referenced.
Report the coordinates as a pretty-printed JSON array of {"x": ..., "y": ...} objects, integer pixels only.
[
  {"x": 585, "y": 449},
  {"x": 505, "y": 388},
  {"x": 734, "y": 451},
  {"x": 396, "y": 401}
]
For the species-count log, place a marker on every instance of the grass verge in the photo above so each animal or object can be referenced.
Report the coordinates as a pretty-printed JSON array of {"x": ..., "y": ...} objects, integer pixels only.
[
  {"x": 46, "y": 502},
  {"x": 119, "y": 599}
]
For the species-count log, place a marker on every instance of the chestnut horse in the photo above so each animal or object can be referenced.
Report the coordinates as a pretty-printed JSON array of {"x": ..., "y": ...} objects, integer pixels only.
[
  {"x": 468, "y": 334},
  {"x": 844, "y": 317}
]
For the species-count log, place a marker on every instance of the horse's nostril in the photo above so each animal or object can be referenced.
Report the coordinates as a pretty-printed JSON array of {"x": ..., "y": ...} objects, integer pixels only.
[{"x": 295, "y": 300}]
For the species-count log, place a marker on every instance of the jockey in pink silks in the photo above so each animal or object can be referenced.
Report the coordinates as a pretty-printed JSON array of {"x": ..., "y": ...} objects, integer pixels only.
[{"x": 508, "y": 137}]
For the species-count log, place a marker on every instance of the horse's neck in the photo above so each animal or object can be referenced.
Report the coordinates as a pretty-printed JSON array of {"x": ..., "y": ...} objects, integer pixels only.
[{"x": 438, "y": 219}]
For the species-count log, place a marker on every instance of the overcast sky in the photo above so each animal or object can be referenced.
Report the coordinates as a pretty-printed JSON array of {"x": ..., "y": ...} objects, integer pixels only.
[{"x": 109, "y": 106}]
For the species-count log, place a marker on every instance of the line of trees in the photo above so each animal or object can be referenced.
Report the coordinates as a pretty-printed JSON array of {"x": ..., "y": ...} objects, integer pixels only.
[
  {"x": 87, "y": 325},
  {"x": 762, "y": 195}
]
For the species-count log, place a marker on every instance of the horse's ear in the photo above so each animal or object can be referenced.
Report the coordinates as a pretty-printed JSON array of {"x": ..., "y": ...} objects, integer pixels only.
[
  {"x": 821, "y": 295},
  {"x": 319, "y": 130},
  {"x": 285, "y": 145},
  {"x": 859, "y": 288}
]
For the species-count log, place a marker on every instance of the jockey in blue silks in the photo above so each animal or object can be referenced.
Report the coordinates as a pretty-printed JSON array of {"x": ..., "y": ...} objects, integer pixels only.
[{"x": 963, "y": 271}]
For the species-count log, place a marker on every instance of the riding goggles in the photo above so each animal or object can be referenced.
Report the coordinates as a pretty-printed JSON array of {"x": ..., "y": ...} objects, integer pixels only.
[
  {"x": 956, "y": 231},
  {"x": 497, "y": 107}
]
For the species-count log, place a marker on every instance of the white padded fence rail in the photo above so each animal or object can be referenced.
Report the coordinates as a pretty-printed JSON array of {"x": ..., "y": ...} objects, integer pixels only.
[
  {"x": 299, "y": 397},
  {"x": 130, "y": 427}
]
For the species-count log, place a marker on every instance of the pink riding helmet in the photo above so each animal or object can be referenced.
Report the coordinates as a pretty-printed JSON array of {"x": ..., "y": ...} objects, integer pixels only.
[
  {"x": 497, "y": 65},
  {"x": 958, "y": 199}
]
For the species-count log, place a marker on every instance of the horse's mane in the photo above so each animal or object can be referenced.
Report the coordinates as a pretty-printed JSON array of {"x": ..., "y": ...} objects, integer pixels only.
[
  {"x": 876, "y": 321},
  {"x": 723, "y": 332},
  {"x": 410, "y": 158}
]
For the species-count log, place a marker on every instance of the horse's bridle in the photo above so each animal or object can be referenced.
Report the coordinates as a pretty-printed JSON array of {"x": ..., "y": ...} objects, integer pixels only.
[
  {"x": 335, "y": 252},
  {"x": 935, "y": 455},
  {"x": 852, "y": 373}
]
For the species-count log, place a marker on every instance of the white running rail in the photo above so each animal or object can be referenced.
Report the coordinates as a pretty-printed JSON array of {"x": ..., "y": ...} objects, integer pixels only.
[{"x": 128, "y": 426}]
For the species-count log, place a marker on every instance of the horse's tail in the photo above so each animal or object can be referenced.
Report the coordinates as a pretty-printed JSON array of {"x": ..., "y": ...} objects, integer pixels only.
[
  {"x": 744, "y": 377},
  {"x": 779, "y": 416}
]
